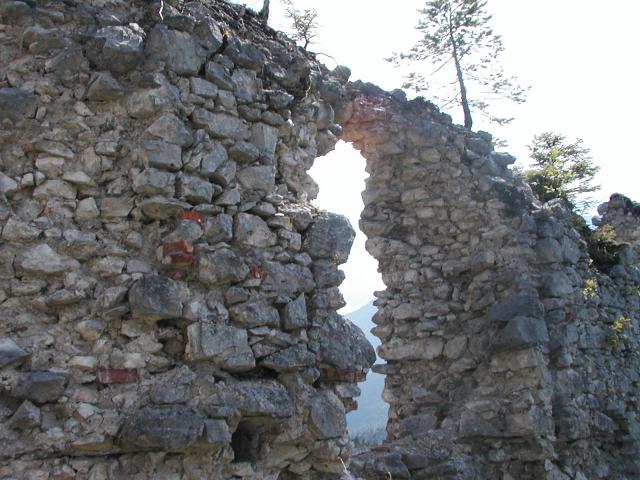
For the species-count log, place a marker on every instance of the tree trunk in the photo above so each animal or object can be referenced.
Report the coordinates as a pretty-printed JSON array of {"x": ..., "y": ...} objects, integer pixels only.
[
  {"x": 264, "y": 13},
  {"x": 468, "y": 122}
]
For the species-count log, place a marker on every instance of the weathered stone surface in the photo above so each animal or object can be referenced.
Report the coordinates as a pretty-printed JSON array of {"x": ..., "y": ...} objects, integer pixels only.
[
  {"x": 224, "y": 345},
  {"x": 116, "y": 48},
  {"x": 104, "y": 88},
  {"x": 219, "y": 228},
  {"x": 55, "y": 188},
  {"x": 174, "y": 387},
  {"x": 327, "y": 415},
  {"x": 154, "y": 182},
  {"x": 252, "y": 230},
  {"x": 40, "y": 386},
  {"x": 509, "y": 352},
  {"x": 255, "y": 313},
  {"x": 179, "y": 51},
  {"x": 289, "y": 278},
  {"x": 17, "y": 104},
  {"x": 26, "y": 416},
  {"x": 171, "y": 429},
  {"x": 43, "y": 260},
  {"x": 223, "y": 266},
  {"x": 290, "y": 359},
  {"x": 521, "y": 332},
  {"x": 257, "y": 398},
  {"x": 343, "y": 345},
  {"x": 261, "y": 178},
  {"x": 265, "y": 137},
  {"x": 203, "y": 88},
  {"x": 295, "y": 314},
  {"x": 330, "y": 237},
  {"x": 154, "y": 298},
  {"x": 221, "y": 125},
  {"x": 163, "y": 155},
  {"x": 171, "y": 129},
  {"x": 10, "y": 353},
  {"x": 194, "y": 189},
  {"x": 516, "y": 306},
  {"x": 162, "y": 208},
  {"x": 209, "y": 34},
  {"x": 425, "y": 349}
]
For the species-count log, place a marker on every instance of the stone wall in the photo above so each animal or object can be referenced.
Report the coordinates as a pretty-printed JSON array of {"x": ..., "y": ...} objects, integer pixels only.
[
  {"x": 510, "y": 353},
  {"x": 168, "y": 296}
]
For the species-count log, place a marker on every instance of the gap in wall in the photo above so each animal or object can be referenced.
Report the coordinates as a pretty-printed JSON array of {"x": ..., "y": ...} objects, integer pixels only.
[{"x": 341, "y": 176}]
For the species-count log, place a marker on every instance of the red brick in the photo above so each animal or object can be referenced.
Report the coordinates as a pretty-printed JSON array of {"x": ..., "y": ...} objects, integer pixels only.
[
  {"x": 191, "y": 215},
  {"x": 342, "y": 376},
  {"x": 257, "y": 272},
  {"x": 171, "y": 249},
  {"x": 108, "y": 376},
  {"x": 350, "y": 404}
]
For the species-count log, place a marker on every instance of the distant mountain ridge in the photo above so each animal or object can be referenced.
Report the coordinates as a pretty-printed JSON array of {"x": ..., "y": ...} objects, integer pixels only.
[{"x": 372, "y": 410}]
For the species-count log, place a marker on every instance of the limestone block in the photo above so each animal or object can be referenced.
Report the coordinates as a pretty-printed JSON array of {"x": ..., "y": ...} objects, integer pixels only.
[
  {"x": 330, "y": 237},
  {"x": 117, "y": 48},
  {"x": 291, "y": 359},
  {"x": 154, "y": 298},
  {"x": 40, "y": 386},
  {"x": 222, "y": 267},
  {"x": 256, "y": 398},
  {"x": 261, "y": 178},
  {"x": 295, "y": 314},
  {"x": 180, "y": 51},
  {"x": 194, "y": 189},
  {"x": 252, "y": 230},
  {"x": 154, "y": 182},
  {"x": 162, "y": 155},
  {"x": 171, "y": 129},
  {"x": 10, "y": 353},
  {"x": 327, "y": 415},
  {"x": 17, "y": 104},
  {"x": 255, "y": 313},
  {"x": 43, "y": 260},
  {"x": 170, "y": 429}
]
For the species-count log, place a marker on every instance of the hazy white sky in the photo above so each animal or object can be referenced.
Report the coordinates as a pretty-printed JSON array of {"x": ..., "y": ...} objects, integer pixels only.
[{"x": 579, "y": 56}]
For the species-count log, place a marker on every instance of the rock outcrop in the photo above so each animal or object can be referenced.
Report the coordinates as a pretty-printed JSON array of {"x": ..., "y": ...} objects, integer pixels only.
[{"x": 168, "y": 296}]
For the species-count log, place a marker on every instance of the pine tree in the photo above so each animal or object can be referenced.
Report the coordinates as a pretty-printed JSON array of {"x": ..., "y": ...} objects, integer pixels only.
[
  {"x": 463, "y": 50},
  {"x": 561, "y": 170},
  {"x": 304, "y": 22}
]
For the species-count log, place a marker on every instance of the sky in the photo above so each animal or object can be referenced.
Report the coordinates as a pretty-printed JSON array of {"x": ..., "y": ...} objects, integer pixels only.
[{"x": 579, "y": 57}]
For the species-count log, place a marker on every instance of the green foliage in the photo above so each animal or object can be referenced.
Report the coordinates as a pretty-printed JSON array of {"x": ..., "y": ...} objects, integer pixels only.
[
  {"x": 590, "y": 289},
  {"x": 461, "y": 51},
  {"x": 618, "y": 331},
  {"x": 562, "y": 170},
  {"x": 303, "y": 22},
  {"x": 605, "y": 233}
]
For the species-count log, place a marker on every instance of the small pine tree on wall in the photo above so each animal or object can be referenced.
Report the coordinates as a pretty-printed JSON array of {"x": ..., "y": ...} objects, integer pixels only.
[
  {"x": 562, "y": 170},
  {"x": 461, "y": 51}
]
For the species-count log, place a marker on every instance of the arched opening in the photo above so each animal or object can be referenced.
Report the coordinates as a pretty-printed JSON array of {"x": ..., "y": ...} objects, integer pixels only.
[{"x": 341, "y": 179}]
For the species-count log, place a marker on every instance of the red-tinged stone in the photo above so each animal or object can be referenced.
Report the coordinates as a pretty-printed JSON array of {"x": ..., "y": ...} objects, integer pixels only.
[
  {"x": 257, "y": 271},
  {"x": 342, "y": 376},
  {"x": 171, "y": 249},
  {"x": 350, "y": 404},
  {"x": 191, "y": 216},
  {"x": 181, "y": 259},
  {"x": 176, "y": 274},
  {"x": 109, "y": 376}
]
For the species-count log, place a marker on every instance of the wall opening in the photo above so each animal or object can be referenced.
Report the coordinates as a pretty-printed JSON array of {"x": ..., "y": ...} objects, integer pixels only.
[{"x": 341, "y": 176}]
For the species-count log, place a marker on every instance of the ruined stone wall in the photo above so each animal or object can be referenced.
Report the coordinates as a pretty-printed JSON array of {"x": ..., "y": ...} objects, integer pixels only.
[
  {"x": 511, "y": 353},
  {"x": 168, "y": 296}
]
